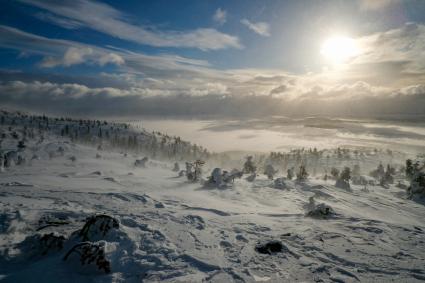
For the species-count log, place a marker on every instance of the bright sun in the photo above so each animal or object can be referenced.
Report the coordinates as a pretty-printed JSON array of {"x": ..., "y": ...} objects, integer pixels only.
[{"x": 339, "y": 49}]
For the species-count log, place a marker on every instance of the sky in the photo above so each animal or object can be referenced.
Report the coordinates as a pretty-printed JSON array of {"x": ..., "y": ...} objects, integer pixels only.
[{"x": 357, "y": 58}]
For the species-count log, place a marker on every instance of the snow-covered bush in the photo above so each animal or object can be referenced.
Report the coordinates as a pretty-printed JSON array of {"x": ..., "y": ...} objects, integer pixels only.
[
  {"x": 230, "y": 177},
  {"x": 252, "y": 177},
  {"x": 220, "y": 178},
  {"x": 141, "y": 162},
  {"x": 88, "y": 254},
  {"x": 97, "y": 226},
  {"x": 41, "y": 244},
  {"x": 280, "y": 184},
  {"x": 321, "y": 210},
  {"x": 269, "y": 171},
  {"x": 216, "y": 177}
]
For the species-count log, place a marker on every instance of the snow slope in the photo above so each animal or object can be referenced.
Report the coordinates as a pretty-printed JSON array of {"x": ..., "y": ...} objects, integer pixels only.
[{"x": 175, "y": 231}]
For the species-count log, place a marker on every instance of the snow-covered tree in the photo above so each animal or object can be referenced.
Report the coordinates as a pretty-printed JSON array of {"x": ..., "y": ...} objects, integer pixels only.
[
  {"x": 302, "y": 173},
  {"x": 343, "y": 180},
  {"x": 21, "y": 145},
  {"x": 290, "y": 173},
  {"x": 249, "y": 166},
  {"x": 335, "y": 173},
  {"x": 269, "y": 171},
  {"x": 176, "y": 167},
  {"x": 410, "y": 170},
  {"x": 194, "y": 170},
  {"x": 417, "y": 179}
]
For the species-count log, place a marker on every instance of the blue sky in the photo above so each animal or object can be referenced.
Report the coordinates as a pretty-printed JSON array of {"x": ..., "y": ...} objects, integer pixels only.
[{"x": 137, "y": 50}]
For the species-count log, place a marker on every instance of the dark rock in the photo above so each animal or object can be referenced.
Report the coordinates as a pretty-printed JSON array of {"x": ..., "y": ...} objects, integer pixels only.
[{"x": 269, "y": 247}]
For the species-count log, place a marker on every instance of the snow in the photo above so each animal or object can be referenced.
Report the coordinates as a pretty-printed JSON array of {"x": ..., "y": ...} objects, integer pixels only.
[{"x": 173, "y": 230}]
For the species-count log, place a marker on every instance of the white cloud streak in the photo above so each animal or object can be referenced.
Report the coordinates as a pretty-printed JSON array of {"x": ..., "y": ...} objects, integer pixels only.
[
  {"x": 62, "y": 22},
  {"x": 106, "y": 19},
  {"x": 66, "y": 53},
  {"x": 261, "y": 28},
  {"x": 404, "y": 44}
]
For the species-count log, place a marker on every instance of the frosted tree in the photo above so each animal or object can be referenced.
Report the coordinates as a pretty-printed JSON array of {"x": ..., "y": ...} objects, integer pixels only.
[
  {"x": 21, "y": 145},
  {"x": 344, "y": 179},
  {"x": 417, "y": 184},
  {"x": 269, "y": 171},
  {"x": 290, "y": 173},
  {"x": 335, "y": 173},
  {"x": 302, "y": 173},
  {"x": 176, "y": 167},
  {"x": 410, "y": 170},
  {"x": 388, "y": 175},
  {"x": 249, "y": 166},
  {"x": 194, "y": 170}
]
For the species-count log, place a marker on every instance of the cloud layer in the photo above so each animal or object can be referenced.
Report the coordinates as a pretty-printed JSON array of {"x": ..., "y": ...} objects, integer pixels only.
[
  {"x": 173, "y": 85},
  {"x": 386, "y": 78},
  {"x": 76, "y": 99}
]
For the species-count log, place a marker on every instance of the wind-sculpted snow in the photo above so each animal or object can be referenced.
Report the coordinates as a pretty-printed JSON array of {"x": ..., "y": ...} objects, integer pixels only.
[{"x": 91, "y": 221}]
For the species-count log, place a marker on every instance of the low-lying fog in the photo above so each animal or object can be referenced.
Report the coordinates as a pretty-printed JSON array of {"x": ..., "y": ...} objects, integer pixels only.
[{"x": 282, "y": 133}]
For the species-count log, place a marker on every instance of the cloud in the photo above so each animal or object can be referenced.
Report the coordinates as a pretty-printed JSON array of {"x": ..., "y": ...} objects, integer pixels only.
[
  {"x": 387, "y": 78},
  {"x": 62, "y": 22},
  {"x": 74, "y": 56},
  {"x": 260, "y": 28},
  {"x": 220, "y": 16},
  {"x": 56, "y": 52},
  {"x": 404, "y": 44},
  {"x": 106, "y": 19},
  {"x": 394, "y": 58},
  {"x": 76, "y": 99},
  {"x": 376, "y": 5}
]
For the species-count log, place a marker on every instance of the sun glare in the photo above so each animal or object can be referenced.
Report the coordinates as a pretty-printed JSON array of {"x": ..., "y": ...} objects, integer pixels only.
[{"x": 339, "y": 50}]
